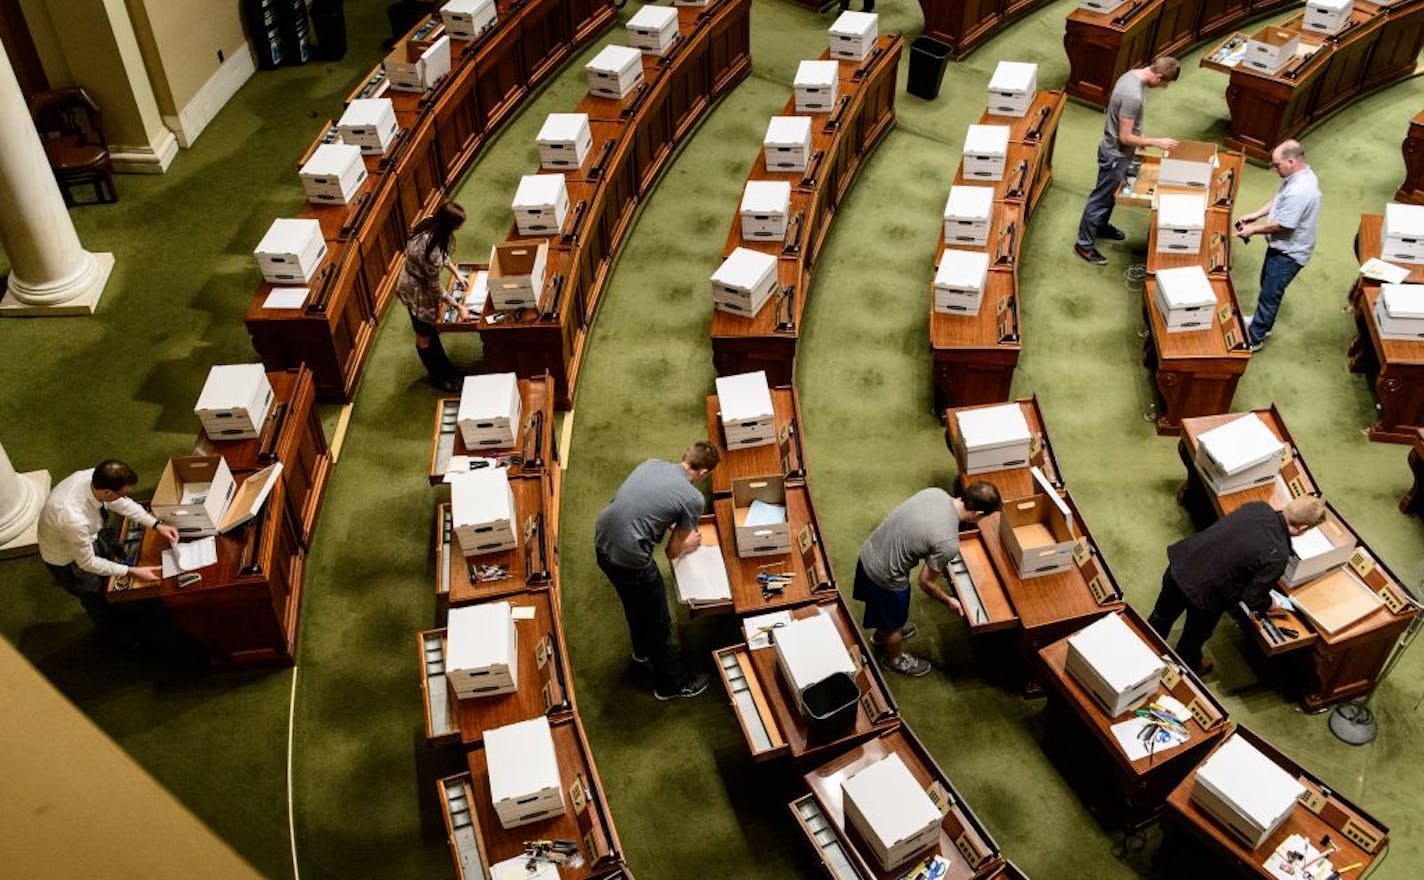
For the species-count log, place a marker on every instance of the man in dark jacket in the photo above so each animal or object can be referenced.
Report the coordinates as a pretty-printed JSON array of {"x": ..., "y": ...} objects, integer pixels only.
[{"x": 1239, "y": 558}]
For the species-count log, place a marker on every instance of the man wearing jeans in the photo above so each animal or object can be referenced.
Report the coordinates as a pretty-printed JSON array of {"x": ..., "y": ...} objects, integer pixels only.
[
  {"x": 1290, "y": 235},
  {"x": 1122, "y": 135},
  {"x": 658, "y": 495}
]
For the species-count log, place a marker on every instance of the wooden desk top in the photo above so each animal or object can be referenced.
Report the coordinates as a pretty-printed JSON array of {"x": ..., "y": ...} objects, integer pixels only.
[
  {"x": 1220, "y": 345},
  {"x": 1042, "y": 117},
  {"x": 1213, "y": 255},
  {"x": 781, "y": 314},
  {"x": 293, "y": 395},
  {"x": 807, "y": 559},
  {"x": 1369, "y": 245},
  {"x": 1391, "y": 352},
  {"x": 1140, "y": 188},
  {"x": 1121, "y": 19},
  {"x": 1315, "y": 48},
  {"x": 1012, "y": 482},
  {"x": 996, "y": 326},
  {"x": 786, "y": 456},
  {"x": 530, "y": 565},
  {"x": 1279, "y": 493},
  {"x": 533, "y": 450}
]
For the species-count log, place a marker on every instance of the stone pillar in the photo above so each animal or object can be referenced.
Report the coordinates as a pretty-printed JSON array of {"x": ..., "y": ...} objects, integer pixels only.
[
  {"x": 50, "y": 271},
  {"x": 21, "y": 497}
]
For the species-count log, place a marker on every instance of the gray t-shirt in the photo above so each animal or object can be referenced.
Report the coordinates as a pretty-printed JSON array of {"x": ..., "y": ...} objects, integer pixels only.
[
  {"x": 1128, "y": 100},
  {"x": 925, "y": 527},
  {"x": 655, "y": 496},
  {"x": 1297, "y": 208}
]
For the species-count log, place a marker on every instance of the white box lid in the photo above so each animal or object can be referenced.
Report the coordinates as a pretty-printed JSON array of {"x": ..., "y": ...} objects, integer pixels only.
[
  {"x": 744, "y": 268},
  {"x": 562, "y": 127},
  {"x": 469, "y": 7},
  {"x": 1181, "y": 210},
  {"x": 1116, "y": 653},
  {"x": 1014, "y": 76},
  {"x": 1403, "y": 219},
  {"x": 744, "y": 396},
  {"x": 521, "y": 759},
  {"x": 540, "y": 189},
  {"x": 787, "y": 130},
  {"x": 1241, "y": 443},
  {"x": 970, "y": 202},
  {"x": 368, "y": 111},
  {"x": 766, "y": 196},
  {"x": 962, "y": 268},
  {"x": 1403, "y": 300},
  {"x": 332, "y": 159},
  {"x": 817, "y": 73},
  {"x": 615, "y": 58},
  {"x": 855, "y": 24},
  {"x": 288, "y": 236},
  {"x": 993, "y": 426},
  {"x": 1250, "y": 781},
  {"x": 488, "y": 394},
  {"x": 987, "y": 139},
  {"x": 653, "y": 17},
  {"x": 891, "y": 799},
  {"x": 480, "y": 496},
  {"x": 812, "y": 649},
  {"x": 1311, "y": 543},
  {"x": 1187, "y": 287},
  {"x": 230, "y": 385},
  {"x": 1332, "y": 6},
  {"x": 478, "y": 636}
]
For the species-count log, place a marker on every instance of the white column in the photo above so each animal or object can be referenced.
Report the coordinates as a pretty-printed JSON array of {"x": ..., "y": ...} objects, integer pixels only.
[
  {"x": 21, "y": 497},
  {"x": 50, "y": 271}
]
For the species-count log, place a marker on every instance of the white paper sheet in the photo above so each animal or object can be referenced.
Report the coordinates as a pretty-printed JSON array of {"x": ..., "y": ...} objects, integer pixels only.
[
  {"x": 701, "y": 576},
  {"x": 1127, "y": 733},
  {"x": 189, "y": 556},
  {"x": 763, "y": 514},
  {"x": 757, "y": 628},
  {"x": 286, "y": 298},
  {"x": 1376, "y": 269},
  {"x": 522, "y": 612}
]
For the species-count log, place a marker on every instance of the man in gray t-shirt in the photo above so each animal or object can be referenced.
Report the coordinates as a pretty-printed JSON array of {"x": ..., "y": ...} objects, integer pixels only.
[
  {"x": 922, "y": 529},
  {"x": 1290, "y": 235},
  {"x": 1122, "y": 135}
]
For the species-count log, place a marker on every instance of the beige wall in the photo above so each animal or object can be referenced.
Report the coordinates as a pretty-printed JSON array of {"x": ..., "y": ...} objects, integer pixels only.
[{"x": 180, "y": 40}]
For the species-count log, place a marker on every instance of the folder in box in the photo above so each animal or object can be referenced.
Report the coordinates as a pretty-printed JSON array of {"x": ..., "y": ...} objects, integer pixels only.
[{"x": 762, "y": 534}]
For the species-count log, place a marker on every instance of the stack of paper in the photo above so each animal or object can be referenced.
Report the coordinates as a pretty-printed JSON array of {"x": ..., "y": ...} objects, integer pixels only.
[
  {"x": 701, "y": 576},
  {"x": 763, "y": 514},
  {"x": 190, "y": 556}
]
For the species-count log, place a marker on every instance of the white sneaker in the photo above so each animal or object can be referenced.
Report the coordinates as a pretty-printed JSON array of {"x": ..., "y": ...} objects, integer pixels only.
[{"x": 1248, "y": 330}]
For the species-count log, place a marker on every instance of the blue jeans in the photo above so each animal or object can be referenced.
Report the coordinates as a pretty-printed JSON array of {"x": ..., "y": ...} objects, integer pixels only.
[
  {"x": 1112, "y": 169},
  {"x": 645, "y": 606},
  {"x": 1276, "y": 272}
]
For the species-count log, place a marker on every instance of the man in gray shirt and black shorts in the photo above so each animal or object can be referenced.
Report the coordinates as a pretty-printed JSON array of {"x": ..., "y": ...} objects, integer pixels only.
[
  {"x": 1290, "y": 235},
  {"x": 923, "y": 528},
  {"x": 656, "y": 496}
]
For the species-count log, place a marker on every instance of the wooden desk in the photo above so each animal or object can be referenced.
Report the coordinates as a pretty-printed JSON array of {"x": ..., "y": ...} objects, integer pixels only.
[
  {"x": 532, "y": 565},
  {"x": 808, "y": 561},
  {"x": 1411, "y": 191},
  {"x": 1139, "y": 188},
  {"x": 1394, "y": 368},
  {"x": 1293, "y": 481},
  {"x": 1380, "y": 46},
  {"x": 1011, "y": 482},
  {"x": 477, "y": 840},
  {"x": 534, "y": 451},
  {"x": 963, "y": 26},
  {"x": 974, "y": 356},
  {"x": 1213, "y": 255},
  {"x": 1369, "y": 245},
  {"x": 840, "y": 142},
  {"x": 1413, "y": 500},
  {"x": 1037, "y": 131},
  {"x": 1196, "y": 371},
  {"x": 1142, "y": 784},
  {"x": 786, "y": 456},
  {"x": 1212, "y": 849},
  {"x": 963, "y": 841}
]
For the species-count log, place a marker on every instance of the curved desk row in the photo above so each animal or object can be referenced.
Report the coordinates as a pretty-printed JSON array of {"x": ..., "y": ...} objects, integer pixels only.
[{"x": 964, "y": 25}]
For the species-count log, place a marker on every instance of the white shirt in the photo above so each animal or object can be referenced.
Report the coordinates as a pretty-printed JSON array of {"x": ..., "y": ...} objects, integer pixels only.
[{"x": 70, "y": 523}]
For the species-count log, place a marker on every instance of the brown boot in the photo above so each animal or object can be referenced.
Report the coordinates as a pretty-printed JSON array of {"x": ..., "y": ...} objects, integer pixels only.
[{"x": 1205, "y": 668}]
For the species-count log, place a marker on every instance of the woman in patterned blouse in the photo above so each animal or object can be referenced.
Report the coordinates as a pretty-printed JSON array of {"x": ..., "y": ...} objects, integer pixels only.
[{"x": 426, "y": 252}]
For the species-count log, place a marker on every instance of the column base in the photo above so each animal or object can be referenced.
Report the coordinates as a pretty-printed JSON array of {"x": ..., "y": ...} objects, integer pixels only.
[
  {"x": 83, "y": 301},
  {"x": 27, "y": 541}
]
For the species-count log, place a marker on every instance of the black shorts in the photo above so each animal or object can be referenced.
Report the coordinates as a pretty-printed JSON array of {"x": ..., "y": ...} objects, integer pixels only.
[{"x": 884, "y": 609}]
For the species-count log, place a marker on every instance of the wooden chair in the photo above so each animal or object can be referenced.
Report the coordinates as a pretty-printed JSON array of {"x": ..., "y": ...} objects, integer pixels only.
[{"x": 71, "y": 128}]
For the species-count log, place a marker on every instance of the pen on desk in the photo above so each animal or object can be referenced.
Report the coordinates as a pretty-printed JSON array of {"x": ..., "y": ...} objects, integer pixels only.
[{"x": 1348, "y": 868}]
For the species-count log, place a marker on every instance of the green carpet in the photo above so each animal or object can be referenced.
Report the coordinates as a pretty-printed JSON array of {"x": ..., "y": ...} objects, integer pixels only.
[{"x": 687, "y": 799}]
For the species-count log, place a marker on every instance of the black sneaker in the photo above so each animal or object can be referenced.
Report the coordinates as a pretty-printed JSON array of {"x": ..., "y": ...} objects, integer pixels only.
[
  {"x": 1112, "y": 233},
  {"x": 691, "y": 687},
  {"x": 1091, "y": 255}
]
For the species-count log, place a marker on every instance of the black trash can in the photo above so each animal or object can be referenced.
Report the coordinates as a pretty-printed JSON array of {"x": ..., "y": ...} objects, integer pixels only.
[
  {"x": 830, "y": 705},
  {"x": 928, "y": 59},
  {"x": 329, "y": 23}
]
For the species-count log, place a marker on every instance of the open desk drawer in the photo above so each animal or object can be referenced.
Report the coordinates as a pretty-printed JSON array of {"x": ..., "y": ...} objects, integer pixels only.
[
  {"x": 823, "y": 839},
  {"x": 440, "y": 726},
  {"x": 460, "y": 831},
  {"x": 987, "y": 607},
  {"x": 759, "y": 727}
]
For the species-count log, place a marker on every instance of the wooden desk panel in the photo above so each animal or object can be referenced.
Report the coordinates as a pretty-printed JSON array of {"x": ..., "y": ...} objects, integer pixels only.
[
  {"x": 1011, "y": 482},
  {"x": 1413, "y": 500},
  {"x": 531, "y": 565},
  {"x": 974, "y": 356},
  {"x": 963, "y": 26},
  {"x": 1395, "y": 369},
  {"x": 1195, "y": 372},
  {"x": 807, "y": 561},
  {"x": 1411, "y": 191},
  {"x": 786, "y": 456},
  {"x": 534, "y": 451}
]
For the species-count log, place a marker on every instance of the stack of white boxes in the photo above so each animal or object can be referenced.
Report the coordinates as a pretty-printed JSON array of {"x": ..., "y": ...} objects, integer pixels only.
[
  {"x": 1185, "y": 299},
  {"x": 787, "y": 144},
  {"x": 765, "y": 210},
  {"x": 853, "y": 35},
  {"x": 1012, "y": 88},
  {"x": 810, "y": 650},
  {"x": 290, "y": 251},
  {"x": 333, "y": 174},
  {"x": 1100, "y": 6},
  {"x": 891, "y": 811},
  {"x": 1245, "y": 791},
  {"x": 614, "y": 72},
  {"x": 467, "y": 19},
  {"x": 1402, "y": 236},
  {"x": 482, "y": 511},
  {"x": 1180, "y": 219},
  {"x": 993, "y": 438},
  {"x": 748, "y": 418},
  {"x": 967, "y": 215},
  {"x": 516, "y": 273},
  {"x": 1327, "y": 16},
  {"x": 417, "y": 69},
  {"x": 234, "y": 402},
  {"x": 1114, "y": 665},
  {"x": 1399, "y": 311},
  {"x": 653, "y": 29},
  {"x": 489, "y": 411},
  {"x": 369, "y": 123},
  {"x": 744, "y": 282},
  {"x": 816, "y": 86},
  {"x": 986, "y": 149},
  {"x": 1238, "y": 455},
  {"x": 959, "y": 281},
  {"x": 524, "y": 772},
  {"x": 540, "y": 204},
  {"x": 1318, "y": 550},
  {"x": 759, "y": 516},
  {"x": 564, "y": 141},
  {"x": 1191, "y": 163},
  {"x": 482, "y": 657},
  {"x": 193, "y": 494},
  {"x": 1270, "y": 49}
]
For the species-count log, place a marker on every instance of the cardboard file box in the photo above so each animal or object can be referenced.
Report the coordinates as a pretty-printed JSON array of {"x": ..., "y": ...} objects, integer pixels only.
[
  {"x": 369, "y": 123},
  {"x": 1114, "y": 665},
  {"x": 1245, "y": 791},
  {"x": 540, "y": 204},
  {"x": 1180, "y": 218},
  {"x": 816, "y": 86},
  {"x": 891, "y": 811},
  {"x": 482, "y": 511},
  {"x": 744, "y": 282},
  {"x": 194, "y": 495},
  {"x": 489, "y": 411},
  {"x": 986, "y": 147},
  {"x": 418, "y": 65},
  {"x": 1318, "y": 550},
  {"x": 787, "y": 144},
  {"x": 1012, "y": 87},
  {"x": 234, "y": 402},
  {"x": 1185, "y": 299},
  {"x": 765, "y": 210},
  {"x": 1399, "y": 311},
  {"x": 1327, "y": 16},
  {"x": 853, "y": 35},
  {"x": 1037, "y": 531},
  {"x": 993, "y": 438},
  {"x": 959, "y": 281},
  {"x": 1100, "y": 6},
  {"x": 524, "y": 772},
  {"x": 290, "y": 251},
  {"x": 564, "y": 141},
  {"x": 747, "y": 415},
  {"x": 333, "y": 174},
  {"x": 614, "y": 72},
  {"x": 1192, "y": 164},
  {"x": 810, "y": 650},
  {"x": 967, "y": 215},
  {"x": 759, "y": 514},
  {"x": 467, "y": 19},
  {"x": 483, "y": 654},
  {"x": 1402, "y": 236},
  {"x": 653, "y": 29},
  {"x": 1238, "y": 455},
  {"x": 1270, "y": 49},
  {"x": 516, "y": 273}
]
